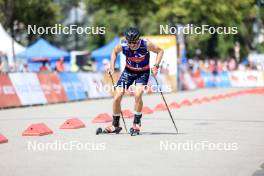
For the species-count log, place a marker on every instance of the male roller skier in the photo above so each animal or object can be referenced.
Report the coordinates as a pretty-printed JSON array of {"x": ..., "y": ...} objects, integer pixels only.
[{"x": 137, "y": 70}]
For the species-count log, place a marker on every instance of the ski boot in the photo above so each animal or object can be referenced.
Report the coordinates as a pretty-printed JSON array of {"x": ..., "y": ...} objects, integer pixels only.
[
  {"x": 135, "y": 129},
  {"x": 114, "y": 128}
]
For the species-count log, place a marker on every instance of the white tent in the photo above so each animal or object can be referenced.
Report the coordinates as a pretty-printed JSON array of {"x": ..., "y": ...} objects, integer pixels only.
[{"x": 6, "y": 45}]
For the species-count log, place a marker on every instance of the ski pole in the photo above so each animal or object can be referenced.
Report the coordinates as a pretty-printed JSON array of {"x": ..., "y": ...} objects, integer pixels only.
[
  {"x": 113, "y": 84},
  {"x": 165, "y": 103}
]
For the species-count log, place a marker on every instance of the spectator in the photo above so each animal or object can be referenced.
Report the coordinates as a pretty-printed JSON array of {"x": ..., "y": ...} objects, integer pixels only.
[
  {"x": 22, "y": 66},
  {"x": 201, "y": 65},
  {"x": 220, "y": 66},
  {"x": 60, "y": 65},
  {"x": 206, "y": 65},
  {"x": 213, "y": 66},
  {"x": 232, "y": 65},
  {"x": 44, "y": 67},
  {"x": 4, "y": 67}
]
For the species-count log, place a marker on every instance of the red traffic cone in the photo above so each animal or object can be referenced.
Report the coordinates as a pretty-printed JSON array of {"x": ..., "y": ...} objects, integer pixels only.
[
  {"x": 3, "y": 139},
  {"x": 186, "y": 103},
  {"x": 214, "y": 97},
  {"x": 38, "y": 129},
  {"x": 205, "y": 99},
  {"x": 147, "y": 110},
  {"x": 196, "y": 101},
  {"x": 73, "y": 123},
  {"x": 174, "y": 105},
  {"x": 160, "y": 107},
  {"x": 102, "y": 118},
  {"x": 127, "y": 113}
]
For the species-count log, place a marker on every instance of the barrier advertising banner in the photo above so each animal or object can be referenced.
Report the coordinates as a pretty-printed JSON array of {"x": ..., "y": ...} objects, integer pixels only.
[
  {"x": 19, "y": 89},
  {"x": 198, "y": 80},
  {"x": 72, "y": 86},
  {"x": 209, "y": 79},
  {"x": 52, "y": 87},
  {"x": 28, "y": 88},
  {"x": 95, "y": 85},
  {"x": 246, "y": 79},
  {"x": 223, "y": 79},
  {"x": 8, "y": 96}
]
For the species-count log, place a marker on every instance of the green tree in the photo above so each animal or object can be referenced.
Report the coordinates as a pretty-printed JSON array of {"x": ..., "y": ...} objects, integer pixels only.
[
  {"x": 149, "y": 14},
  {"x": 23, "y": 13},
  {"x": 214, "y": 13}
]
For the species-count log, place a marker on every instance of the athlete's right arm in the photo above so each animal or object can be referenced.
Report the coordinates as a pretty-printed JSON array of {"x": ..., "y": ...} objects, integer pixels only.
[{"x": 117, "y": 49}]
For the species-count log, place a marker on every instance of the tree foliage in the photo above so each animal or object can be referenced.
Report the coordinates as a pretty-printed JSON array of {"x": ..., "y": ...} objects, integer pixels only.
[
  {"x": 117, "y": 15},
  {"x": 33, "y": 12}
]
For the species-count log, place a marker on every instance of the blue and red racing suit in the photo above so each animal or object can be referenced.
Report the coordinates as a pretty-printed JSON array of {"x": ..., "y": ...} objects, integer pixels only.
[{"x": 137, "y": 65}]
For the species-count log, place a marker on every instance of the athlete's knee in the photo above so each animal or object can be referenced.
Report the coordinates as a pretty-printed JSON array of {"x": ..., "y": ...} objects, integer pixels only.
[{"x": 118, "y": 97}]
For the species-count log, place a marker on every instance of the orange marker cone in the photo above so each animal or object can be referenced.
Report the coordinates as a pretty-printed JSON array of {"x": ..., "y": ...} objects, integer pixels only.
[{"x": 73, "y": 123}]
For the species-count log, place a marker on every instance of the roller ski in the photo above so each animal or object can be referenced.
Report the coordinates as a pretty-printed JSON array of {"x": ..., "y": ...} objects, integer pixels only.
[
  {"x": 114, "y": 128},
  {"x": 135, "y": 129},
  {"x": 107, "y": 130}
]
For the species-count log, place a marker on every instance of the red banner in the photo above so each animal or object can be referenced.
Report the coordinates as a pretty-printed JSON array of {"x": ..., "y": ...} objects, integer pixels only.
[
  {"x": 52, "y": 87},
  {"x": 8, "y": 96},
  {"x": 197, "y": 78}
]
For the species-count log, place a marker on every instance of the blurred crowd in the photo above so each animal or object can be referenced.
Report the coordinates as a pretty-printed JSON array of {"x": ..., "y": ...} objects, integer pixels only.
[
  {"x": 218, "y": 65},
  {"x": 192, "y": 65}
]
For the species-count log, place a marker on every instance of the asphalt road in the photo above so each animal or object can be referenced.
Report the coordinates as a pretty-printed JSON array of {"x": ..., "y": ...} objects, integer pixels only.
[{"x": 219, "y": 138}]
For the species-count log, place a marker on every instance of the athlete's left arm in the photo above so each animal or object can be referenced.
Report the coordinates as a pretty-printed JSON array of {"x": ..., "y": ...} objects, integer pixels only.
[{"x": 156, "y": 49}]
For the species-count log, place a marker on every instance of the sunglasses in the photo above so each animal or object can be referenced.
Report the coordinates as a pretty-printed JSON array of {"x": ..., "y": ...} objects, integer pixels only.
[{"x": 133, "y": 42}]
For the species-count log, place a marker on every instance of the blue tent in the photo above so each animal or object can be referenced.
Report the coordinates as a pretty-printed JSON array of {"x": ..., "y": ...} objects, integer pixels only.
[
  {"x": 43, "y": 49},
  {"x": 105, "y": 53}
]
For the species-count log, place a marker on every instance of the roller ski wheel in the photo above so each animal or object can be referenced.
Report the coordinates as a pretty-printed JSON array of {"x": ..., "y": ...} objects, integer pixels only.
[
  {"x": 135, "y": 130},
  {"x": 107, "y": 130},
  {"x": 99, "y": 131}
]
